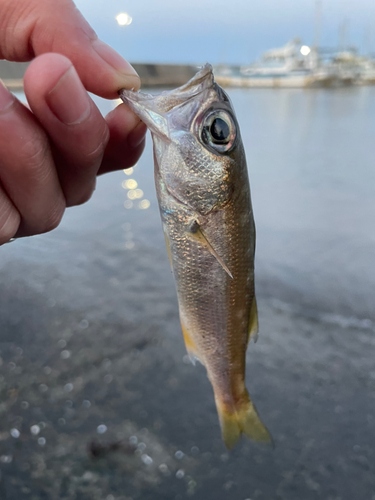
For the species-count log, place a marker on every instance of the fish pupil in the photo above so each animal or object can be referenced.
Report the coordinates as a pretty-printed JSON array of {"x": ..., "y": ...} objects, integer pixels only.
[{"x": 219, "y": 130}]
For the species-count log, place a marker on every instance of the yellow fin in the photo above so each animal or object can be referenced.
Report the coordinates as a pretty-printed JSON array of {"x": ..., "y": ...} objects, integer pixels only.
[
  {"x": 243, "y": 419},
  {"x": 253, "y": 323},
  {"x": 197, "y": 233},
  {"x": 190, "y": 345}
]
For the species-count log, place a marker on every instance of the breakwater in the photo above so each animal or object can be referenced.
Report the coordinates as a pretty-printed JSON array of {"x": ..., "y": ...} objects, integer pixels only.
[{"x": 152, "y": 75}]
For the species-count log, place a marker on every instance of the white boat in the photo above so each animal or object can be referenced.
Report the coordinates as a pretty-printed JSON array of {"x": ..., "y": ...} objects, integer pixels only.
[
  {"x": 347, "y": 65},
  {"x": 367, "y": 72},
  {"x": 353, "y": 68},
  {"x": 293, "y": 65}
]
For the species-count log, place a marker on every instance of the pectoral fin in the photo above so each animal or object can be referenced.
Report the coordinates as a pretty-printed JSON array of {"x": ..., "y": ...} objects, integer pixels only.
[
  {"x": 253, "y": 323},
  {"x": 197, "y": 233}
]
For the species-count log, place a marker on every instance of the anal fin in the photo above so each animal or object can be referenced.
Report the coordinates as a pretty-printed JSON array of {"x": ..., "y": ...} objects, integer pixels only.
[
  {"x": 253, "y": 322},
  {"x": 197, "y": 233},
  {"x": 190, "y": 345}
]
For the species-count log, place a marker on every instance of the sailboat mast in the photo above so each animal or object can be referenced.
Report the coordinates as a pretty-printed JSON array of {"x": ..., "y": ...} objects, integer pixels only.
[{"x": 318, "y": 23}]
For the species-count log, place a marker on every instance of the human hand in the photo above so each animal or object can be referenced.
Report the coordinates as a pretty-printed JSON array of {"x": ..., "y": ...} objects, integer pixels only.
[{"x": 51, "y": 153}]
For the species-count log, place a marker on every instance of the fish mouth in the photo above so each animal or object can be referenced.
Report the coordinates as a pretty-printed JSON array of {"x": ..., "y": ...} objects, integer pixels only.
[
  {"x": 163, "y": 120},
  {"x": 167, "y": 100},
  {"x": 153, "y": 109}
]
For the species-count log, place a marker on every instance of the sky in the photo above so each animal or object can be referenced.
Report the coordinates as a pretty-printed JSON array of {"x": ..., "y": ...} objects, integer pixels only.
[{"x": 225, "y": 31}]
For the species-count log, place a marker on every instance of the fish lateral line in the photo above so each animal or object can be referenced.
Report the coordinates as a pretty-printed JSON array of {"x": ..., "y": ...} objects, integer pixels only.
[{"x": 197, "y": 233}]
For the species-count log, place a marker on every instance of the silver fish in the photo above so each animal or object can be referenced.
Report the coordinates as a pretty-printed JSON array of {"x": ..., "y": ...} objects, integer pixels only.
[{"x": 204, "y": 199}]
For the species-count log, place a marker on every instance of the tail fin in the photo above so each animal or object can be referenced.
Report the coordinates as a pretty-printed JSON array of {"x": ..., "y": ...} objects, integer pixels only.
[{"x": 243, "y": 418}]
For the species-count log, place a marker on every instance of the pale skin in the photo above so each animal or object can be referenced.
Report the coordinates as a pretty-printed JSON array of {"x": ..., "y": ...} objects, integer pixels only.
[{"x": 52, "y": 152}]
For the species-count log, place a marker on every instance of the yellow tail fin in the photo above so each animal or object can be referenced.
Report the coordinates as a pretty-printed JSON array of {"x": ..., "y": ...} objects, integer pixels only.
[{"x": 243, "y": 418}]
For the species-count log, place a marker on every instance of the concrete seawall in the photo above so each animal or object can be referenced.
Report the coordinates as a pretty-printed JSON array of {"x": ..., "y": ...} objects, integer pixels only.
[
  {"x": 152, "y": 75},
  {"x": 12, "y": 74}
]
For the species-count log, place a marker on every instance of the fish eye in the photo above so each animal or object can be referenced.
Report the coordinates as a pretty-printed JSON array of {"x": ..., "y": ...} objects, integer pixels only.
[{"x": 218, "y": 130}]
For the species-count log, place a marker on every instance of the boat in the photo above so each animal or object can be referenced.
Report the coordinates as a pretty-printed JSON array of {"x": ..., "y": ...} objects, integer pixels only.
[
  {"x": 294, "y": 66},
  {"x": 352, "y": 68},
  {"x": 367, "y": 72}
]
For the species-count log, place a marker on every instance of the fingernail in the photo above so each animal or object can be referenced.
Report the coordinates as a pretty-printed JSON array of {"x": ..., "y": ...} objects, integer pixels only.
[
  {"x": 6, "y": 97},
  {"x": 137, "y": 135},
  {"x": 68, "y": 100},
  {"x": 129, "y": 78}
]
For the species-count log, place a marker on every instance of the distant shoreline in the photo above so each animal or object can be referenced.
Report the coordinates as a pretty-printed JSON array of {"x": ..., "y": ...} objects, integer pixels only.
[
  {"x": 14, "y": 85},
  {"x": 152, "y": 75},
  {"x": 175, "y": 75}
]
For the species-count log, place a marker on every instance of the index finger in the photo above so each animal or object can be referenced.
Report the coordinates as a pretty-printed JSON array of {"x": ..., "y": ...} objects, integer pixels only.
[{"x": 32, "y": 27}]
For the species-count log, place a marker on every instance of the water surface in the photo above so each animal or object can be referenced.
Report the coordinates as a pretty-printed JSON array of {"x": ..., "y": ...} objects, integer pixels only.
[{"x": 91, "y": 351}]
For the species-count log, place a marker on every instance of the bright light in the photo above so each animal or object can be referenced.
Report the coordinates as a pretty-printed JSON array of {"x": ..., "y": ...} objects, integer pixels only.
[
  {"x": 305, "y": 50},
  {"x": 131, "y": 194},
  {"x": 131, "y": 184},
  {"x": 123, "y": 19},
  {"x": 144, "y": 204}
]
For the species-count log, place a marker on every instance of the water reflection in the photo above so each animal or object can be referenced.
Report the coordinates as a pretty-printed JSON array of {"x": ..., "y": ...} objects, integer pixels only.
[
  {"x": 133, "y": 193},
  {"x": 144, "y": 204},
  {"x": 129, "y": 184}
]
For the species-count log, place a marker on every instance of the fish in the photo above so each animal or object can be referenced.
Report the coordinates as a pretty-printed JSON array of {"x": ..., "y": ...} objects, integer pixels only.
[{"x": 203, "y": 192}]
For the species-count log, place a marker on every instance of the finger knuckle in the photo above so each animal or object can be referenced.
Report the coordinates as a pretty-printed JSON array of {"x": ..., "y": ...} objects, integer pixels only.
[
  {"x": 16, "y": 25},
  {"x": 53, "y": 217},
  {"x": 100, "y": 144},
  {"x": 9, "y": 223},
  {"x": 83, "y": 197},
  {"x": 34, "y": 157}
]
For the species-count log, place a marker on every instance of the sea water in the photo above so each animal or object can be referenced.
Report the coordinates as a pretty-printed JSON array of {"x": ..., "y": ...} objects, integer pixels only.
[{"x": 91, "y": 350}]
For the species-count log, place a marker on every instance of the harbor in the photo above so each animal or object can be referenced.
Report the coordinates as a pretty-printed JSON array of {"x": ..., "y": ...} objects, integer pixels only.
[{"x": 296, "y": 65}]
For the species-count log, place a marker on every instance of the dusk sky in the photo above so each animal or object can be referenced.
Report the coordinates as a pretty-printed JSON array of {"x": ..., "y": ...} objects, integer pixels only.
[{"x": 197, "y": 31}]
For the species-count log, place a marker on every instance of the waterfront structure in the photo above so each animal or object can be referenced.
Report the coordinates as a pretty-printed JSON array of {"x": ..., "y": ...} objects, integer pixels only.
[{"x": 293, "y": 65}]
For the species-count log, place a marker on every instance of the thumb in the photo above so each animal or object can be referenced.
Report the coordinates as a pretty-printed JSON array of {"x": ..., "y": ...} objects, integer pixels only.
[{"x": 29, "y": 28}]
